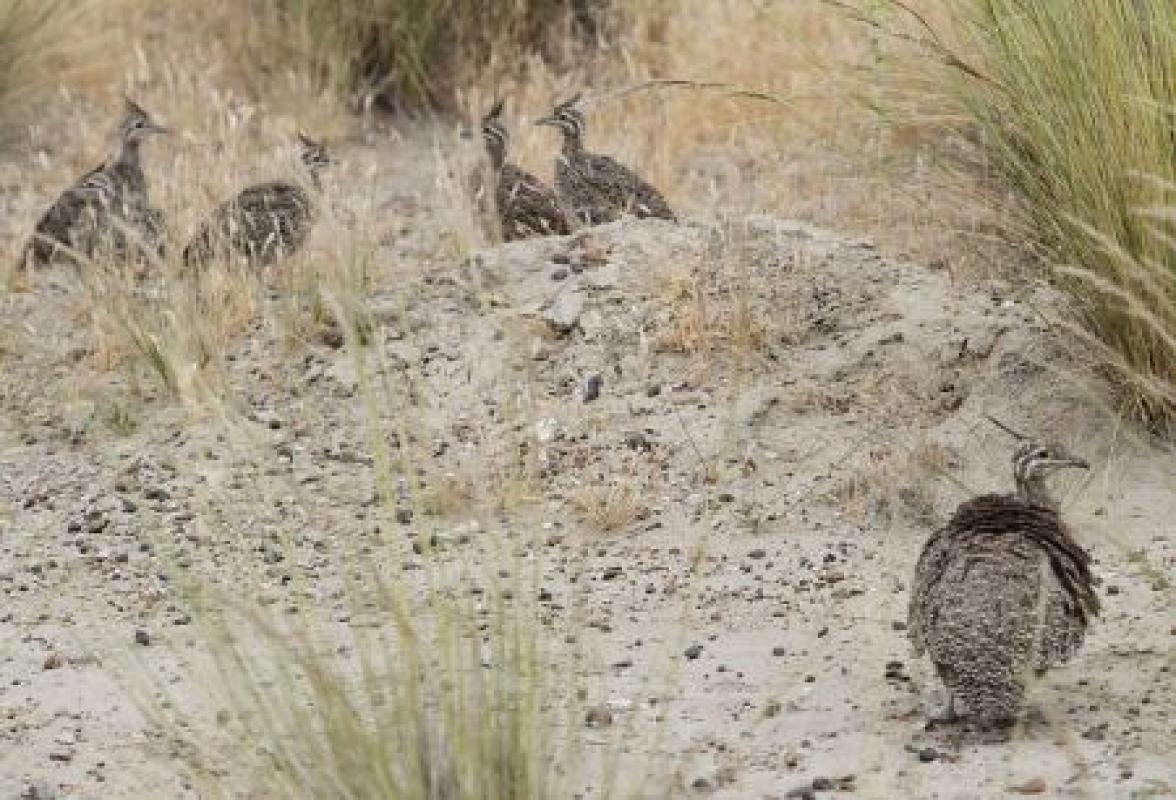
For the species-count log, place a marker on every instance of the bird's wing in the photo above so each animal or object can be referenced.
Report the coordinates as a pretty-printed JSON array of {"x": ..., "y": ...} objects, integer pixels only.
[
  {"x": 530, "y": 202},
  {"x": 274, "y": 197},
  {"x": 626, "y": 189}
]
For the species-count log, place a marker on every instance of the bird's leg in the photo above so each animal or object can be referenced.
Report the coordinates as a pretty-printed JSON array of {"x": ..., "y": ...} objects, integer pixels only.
[{"x": 948, "y": 717}]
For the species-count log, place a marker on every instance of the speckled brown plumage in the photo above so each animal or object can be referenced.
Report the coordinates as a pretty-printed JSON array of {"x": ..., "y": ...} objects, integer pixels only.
[
  {"x": 1003, "y": 592},
  {"x": 108, "y": 210},
  {"x": 525, "y": 206},
  {"x": 264, "y": 222},
  {"x": 593, "y": 187}
]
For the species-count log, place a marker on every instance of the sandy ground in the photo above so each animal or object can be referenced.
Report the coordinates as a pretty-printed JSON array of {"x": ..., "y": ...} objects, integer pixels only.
[{"x": 784, "y": 401}]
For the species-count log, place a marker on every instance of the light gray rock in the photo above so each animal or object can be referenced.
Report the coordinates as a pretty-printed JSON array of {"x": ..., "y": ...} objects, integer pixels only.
[{"x": 563, "y": 314}]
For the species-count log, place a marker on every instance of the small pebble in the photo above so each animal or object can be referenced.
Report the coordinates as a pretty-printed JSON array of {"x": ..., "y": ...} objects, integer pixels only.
[
  {"x": 1032, "y": 786},
  {"x": 598, "y": 717},
  {"x": 693, "y": 652},
  {"x": 592, "y": 387},
  {"x": 142, "y": 637},
  {"x": 39, "y": 790}
]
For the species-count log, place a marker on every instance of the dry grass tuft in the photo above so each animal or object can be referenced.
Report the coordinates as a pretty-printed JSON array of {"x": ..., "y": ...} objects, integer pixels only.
[
  {"x": 715, "y": 306},
  {"x": 384, "y": 709},
  {"x": 612, "y": 505}
]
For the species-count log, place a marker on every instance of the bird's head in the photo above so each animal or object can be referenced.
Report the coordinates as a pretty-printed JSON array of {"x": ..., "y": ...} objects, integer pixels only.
[
  {"x": 314, "y": 154},
  {"x": 137, "y": 124},
  {"x": 495, "y": 134},
  {"x": 567, "y": 117},
  {"x": 1034, "y": 461}
]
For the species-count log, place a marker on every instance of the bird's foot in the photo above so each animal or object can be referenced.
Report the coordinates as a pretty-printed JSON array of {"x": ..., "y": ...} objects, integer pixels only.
[
  {"x": 942, "y": 721},
  {"x": 947, "y": 718}
]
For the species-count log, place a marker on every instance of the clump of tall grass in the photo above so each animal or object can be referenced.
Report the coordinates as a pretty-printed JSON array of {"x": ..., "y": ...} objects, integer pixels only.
[
  {"x": 1071, "y": 107},
  {"x": 417, "y": 53},
  {"x": 1078, "y": 116},
  {"x": 411, "y": 704}
]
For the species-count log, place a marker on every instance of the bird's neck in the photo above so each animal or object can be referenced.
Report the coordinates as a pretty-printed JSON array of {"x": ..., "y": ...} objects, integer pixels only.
[
  {"x": 313, "y": 176},
  {"x": 572, "y": 144},
  {"x": 1033, "y": 490},
  {"x": 497, "y": 156},
  {"x": 128, "y": 156}
]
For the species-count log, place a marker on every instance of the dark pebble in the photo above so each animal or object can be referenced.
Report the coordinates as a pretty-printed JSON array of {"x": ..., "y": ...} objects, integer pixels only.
[
  {"x": 142, "y": 637},
  {"x": 559, "y": 274},
  {"x": 1096, "y": 734},
  {"x": 928, "y": 754},
  {"x": 598, "y": 717},
  {"x": 39, "y": 790},
  {"x": 592, "y": 387},
  {"x": 693, "y": 651}
]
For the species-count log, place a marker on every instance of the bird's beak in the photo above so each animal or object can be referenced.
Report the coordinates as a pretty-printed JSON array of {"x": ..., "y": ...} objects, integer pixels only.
[
  {"x": 153, "y": 128},
  {"x": 1072, "y": 463},
  {"x": 547, "y": 121}
]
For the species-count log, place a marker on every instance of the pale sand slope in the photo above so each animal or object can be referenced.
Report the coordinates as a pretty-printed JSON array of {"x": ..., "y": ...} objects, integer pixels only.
[{"x": 809, "y": 465}]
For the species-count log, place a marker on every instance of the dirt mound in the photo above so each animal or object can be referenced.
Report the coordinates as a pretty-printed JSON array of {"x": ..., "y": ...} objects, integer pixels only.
[{"x": 728, "y": 440}]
